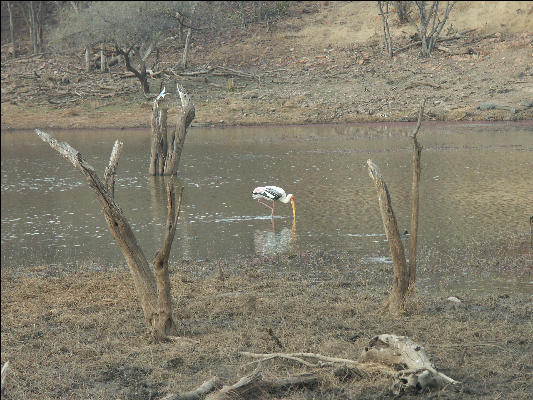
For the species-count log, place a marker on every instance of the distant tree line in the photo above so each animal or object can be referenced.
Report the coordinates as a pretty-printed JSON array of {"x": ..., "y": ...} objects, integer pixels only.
[
  {"x": 28, "y": 19},
  {"x": 133, "y": 30}
]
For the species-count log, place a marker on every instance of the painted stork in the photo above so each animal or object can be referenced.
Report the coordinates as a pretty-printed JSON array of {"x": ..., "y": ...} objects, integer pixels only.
[{"x": 273, "y": 193}]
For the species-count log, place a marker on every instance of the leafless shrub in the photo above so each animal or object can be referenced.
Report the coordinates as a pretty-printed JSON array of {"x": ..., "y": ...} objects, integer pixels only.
[{"x": 431, "y": 23}]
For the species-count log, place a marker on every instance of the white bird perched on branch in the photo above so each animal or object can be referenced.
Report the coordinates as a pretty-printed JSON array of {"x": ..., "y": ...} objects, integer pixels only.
[{"x": 273, "y": 193}]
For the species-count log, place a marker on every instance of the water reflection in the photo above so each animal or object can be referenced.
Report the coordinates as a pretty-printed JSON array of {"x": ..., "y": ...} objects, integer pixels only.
[{"x": 272, "y": 242}]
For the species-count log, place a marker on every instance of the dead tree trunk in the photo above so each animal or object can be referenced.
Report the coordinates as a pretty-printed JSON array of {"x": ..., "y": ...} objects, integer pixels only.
[
  {"x": 11, "y": 27},
  {"x": 417, "y": 151},
  {"x": 87, "y": 58},
  {"x": 186, "y": 48},
  {"x": 159, "y": 141},
  {"x": 103, "y": 61},
  {"x": 188, "y": 41},
  {"x": 386, "y": 32},
  {"x": 153, "y": 290},
  {"x": 166, "y": 151},
  {"x": 397, "y": 299},
  {"x": 139, "y": 73}
]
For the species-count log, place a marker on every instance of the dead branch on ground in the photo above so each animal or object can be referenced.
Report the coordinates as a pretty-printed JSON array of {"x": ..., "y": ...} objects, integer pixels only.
[
  {"x": 199, "y": 393},
  {"x": 417, "y": 371},
  {"x": 396, "y": 356},
  {"x": 254, "y": 386}
]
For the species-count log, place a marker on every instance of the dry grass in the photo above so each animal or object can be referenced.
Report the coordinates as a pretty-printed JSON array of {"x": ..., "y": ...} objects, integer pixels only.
[{"x": 81, "y": 335}]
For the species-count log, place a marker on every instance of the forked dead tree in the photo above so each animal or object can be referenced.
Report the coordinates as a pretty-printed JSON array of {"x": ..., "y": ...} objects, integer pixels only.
[
  {"x": 152, "y": 288},
  {"x": 166, "y": 150},
  {"x": 404, "y": 275}
]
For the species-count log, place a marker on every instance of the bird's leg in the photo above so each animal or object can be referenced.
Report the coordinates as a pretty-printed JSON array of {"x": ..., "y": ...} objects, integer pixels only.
[
  {"x": 272, "y": 208},
  {"x": 266, "y": 205}
]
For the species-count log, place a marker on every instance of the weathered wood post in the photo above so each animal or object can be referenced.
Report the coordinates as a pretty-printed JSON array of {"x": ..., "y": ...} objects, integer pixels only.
[
  {"x": 159, "y": 141},
  {"x": 397, "y": 299},
  {"x": 103, "y": 60},
  {"x": 87, "y": 59}
]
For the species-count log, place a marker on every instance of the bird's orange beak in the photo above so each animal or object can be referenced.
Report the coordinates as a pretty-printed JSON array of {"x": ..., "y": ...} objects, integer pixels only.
[{"x": 293, "y": 208}]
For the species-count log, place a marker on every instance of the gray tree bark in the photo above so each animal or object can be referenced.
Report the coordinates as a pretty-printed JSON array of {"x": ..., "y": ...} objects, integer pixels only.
[
  {"x": 415, "y": 194},
  {"x": 166, "y": 151}
]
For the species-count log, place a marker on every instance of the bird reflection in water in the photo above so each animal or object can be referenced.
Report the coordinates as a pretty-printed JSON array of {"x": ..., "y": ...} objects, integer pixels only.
[{"x": 272, "y": 242}]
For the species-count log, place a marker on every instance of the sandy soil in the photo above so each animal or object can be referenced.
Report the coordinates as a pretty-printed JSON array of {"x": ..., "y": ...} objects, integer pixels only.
[{"x": 323, "y": 63}]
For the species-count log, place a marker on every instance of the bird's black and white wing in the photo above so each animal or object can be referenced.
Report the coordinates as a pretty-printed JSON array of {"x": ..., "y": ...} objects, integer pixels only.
[
  {"x": 268, "y": 193},
  {"x": 274, "y": 192}
]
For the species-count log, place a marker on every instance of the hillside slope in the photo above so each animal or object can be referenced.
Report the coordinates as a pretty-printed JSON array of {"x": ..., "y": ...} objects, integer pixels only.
[{"x": 321, "y": 63}]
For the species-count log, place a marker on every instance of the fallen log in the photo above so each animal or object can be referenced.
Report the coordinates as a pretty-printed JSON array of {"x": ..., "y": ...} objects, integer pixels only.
[{"x": 417, "y": 372}]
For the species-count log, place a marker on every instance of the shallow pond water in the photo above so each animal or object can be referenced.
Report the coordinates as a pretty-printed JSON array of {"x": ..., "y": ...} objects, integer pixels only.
[{"x": 476, "y": 184}]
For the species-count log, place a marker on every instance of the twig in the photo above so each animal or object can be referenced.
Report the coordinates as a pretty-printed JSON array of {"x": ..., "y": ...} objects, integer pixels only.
[
  {"x": 205, "y": 388},
  {"x": 323, "y": 360}
]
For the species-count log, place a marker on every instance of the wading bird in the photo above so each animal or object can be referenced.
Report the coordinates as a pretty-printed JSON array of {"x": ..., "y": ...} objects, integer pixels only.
[{"x": 273, "y": 193}]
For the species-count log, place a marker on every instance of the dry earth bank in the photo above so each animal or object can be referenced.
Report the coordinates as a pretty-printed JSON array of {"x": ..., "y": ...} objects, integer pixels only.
[{"x": 322, "y": 63}]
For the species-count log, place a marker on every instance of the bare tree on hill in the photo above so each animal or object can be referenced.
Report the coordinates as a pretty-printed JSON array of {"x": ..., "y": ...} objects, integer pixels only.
[
  {"x": 134, "y": 29},
  {"x": 428, "y": 21}
]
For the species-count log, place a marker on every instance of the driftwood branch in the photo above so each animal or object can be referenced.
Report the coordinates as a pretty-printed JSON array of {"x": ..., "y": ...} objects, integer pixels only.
[
  {"x": 110, "y": 171},
  {"x": 321, "y": 361},
  {"x": 397, "y": 299},
  {"x": 396, "y": 356},
  {"x": 417, "y": 371},
  {"x": 199, "y": 393}
]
